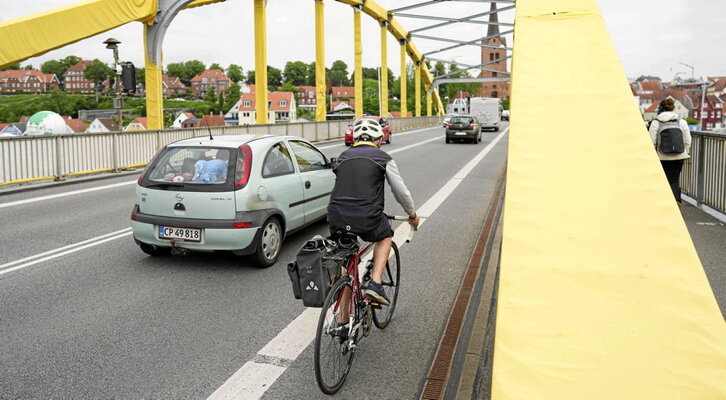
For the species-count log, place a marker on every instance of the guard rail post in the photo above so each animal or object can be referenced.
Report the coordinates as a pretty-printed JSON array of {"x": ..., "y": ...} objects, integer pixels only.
[
  {"x": 58, "y": 163},
  {"x": 158, "y": 140},
  {"x": 700, "y": 170},
  {"x": 114, "y": 151}
]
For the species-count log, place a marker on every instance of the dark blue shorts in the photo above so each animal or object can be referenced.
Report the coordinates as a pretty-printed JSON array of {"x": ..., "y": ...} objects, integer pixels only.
[{"x": 383, "y": 231}]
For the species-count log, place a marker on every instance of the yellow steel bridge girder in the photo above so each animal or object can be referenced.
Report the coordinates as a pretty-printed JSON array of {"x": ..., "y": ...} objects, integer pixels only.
[
  {"x": 358, "y": 61},
  {"x": 320, "y": 84}
]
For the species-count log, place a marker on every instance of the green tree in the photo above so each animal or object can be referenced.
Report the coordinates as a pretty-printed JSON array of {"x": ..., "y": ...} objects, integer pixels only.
[
  {"x": 289, "y": 87},
  {"x": 370, "y": 73},
  {"x": 439, "y": 69},
  {"x": 28, "y": 66},
  {"x": 216, "y": 66},
  {"x": 141, "y": 75},
  {"x": 231, "y": 96},
  {"x": 234, "y": 72},
  {"x": 176, "y": 70},
  {"x": 295, "y": 72},
  {"x": 97, "y": 72},
  {"x": 53, "y": 67},
  {"x": 211, "y": 95},
  {"x": 186, "y": 70},
  {"x": 250, "y": 80},
  {"x": 310, "y": 74},
  {"x": 11, "y": 67},
  {"x": 339, "y": 74},
  {"x": 274, "y": 77},
  {"x": 193, "y": 68}
]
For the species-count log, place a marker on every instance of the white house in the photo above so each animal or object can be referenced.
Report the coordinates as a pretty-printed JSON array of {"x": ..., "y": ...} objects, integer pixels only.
[
  {"x": 101, "y": 125},
  {"x": 281, "y": 109},
  {"x": 180, "y": 120}
]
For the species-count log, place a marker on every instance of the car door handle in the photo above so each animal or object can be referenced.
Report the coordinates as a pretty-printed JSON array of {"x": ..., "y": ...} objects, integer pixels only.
[{"x": 307, "y": 184}]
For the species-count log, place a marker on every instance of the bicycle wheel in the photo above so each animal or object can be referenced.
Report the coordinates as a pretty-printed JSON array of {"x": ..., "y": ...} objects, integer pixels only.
[
  {"x": 390, "y": 281},
  {"x": 332, "y": 355}
]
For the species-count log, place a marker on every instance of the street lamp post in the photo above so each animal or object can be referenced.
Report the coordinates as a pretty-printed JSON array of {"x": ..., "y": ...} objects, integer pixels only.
[{"x": 118, "y": 102}]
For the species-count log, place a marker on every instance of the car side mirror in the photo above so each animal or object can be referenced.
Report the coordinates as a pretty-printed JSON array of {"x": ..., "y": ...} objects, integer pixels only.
[{"x": 333, "y": 160}]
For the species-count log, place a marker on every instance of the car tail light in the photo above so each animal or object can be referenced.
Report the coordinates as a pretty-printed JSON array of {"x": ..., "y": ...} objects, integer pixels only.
[
  {"x": 133, "y": 217},
  {"x": 472, "y": 126},
  {"x": 141, "y": 178},
  {"x": 242, "y": 224},
  {"x": 449, "y": 125},
  {"x": 244, "y": 165}
]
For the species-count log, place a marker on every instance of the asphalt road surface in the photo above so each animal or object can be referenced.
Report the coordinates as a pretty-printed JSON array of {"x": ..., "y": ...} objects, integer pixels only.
[{"x": 85, "y": 314}]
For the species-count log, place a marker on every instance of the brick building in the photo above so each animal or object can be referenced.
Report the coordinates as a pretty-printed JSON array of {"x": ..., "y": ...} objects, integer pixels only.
[
  {"x": 306, "y": 98},
  {"x": 75, "y": 82},
  {"x": 211, "y": 77},
  {"x": 712, "y": 116},
  {"x": 173, "y": 86},
  {"x": 27, "y": 81},
  {"x": 495, "y": 51}
]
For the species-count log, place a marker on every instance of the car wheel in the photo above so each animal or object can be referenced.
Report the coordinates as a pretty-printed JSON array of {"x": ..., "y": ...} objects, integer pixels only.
[
  {"x": 388, "y": 141},
  {"x": 270, "y": 243},
  {"x": 347, "y": 144},
  {"x": 448, "y": 140},
  {"x": 154, "y": 251}
]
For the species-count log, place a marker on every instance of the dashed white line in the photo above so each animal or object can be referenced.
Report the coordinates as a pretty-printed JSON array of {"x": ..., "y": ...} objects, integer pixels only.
[
  {"x": 255, "y": 377},
  {"x": 59, "y": 251}
]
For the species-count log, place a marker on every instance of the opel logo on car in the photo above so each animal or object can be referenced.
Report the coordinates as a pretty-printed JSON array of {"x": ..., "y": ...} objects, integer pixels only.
[{"x": 179, "y": 197}]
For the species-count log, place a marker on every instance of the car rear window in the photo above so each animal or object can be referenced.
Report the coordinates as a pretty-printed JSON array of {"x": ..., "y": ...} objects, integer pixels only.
[
  {"x": 193, "y": 169},
  {"x": 462, "y": 120}
]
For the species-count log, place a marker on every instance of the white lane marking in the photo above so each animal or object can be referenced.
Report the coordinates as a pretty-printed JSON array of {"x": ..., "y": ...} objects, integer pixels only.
[
  {"x": 251, "y": 381},
  {"x": 73, "y": 250},
  {"x": 55, "y": 196},
  {"x": 22, "y": 260}
]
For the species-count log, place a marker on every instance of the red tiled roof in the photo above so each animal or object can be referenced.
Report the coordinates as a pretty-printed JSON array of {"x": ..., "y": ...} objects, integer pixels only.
[
  {"x": 650, "y": 85},
  {"x": 211, "y": 73},
  {"x": 80, "y": 66},
  {"x": 172, "y": 82},
  {"x": 653, "y": 107},
  {"x": 343, "y": 91},
  {"x": 718, "y": 83},
  {"x": 76, "y": 125},
  {"x": 190, "y": 115},
  {"x": 140, "y": 120},
  {"x": 22, "y": 75},
  {"x": 212, "y": 120},
  {"x": 24, "y": 118}
]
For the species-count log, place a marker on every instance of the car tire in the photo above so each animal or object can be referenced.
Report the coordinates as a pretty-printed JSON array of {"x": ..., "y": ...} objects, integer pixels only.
[
  {"x": 347, "y": 144},
  {"x": 154, "y": 251},
  {"x": 269, "y": 244},
  {"x": 388, "y": 141},
  {"x": 496, "y": 129},
  {"x": 448, "y": 140}
]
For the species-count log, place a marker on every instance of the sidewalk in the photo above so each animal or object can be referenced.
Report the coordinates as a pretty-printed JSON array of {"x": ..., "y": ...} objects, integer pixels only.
[{"x": 709, "y": 237}]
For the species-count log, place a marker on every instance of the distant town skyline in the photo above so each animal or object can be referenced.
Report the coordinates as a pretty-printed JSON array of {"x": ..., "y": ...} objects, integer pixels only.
[{"x": 650, "y": 39}]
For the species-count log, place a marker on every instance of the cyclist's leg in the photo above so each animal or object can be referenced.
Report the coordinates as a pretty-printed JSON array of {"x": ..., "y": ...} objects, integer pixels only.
[
  {"x": 381, "y": 252},
  {"x": 343, "y": 316}
]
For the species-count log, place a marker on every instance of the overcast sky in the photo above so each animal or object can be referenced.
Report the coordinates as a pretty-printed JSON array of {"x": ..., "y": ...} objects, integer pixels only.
[{"x": 650, "y": 36}]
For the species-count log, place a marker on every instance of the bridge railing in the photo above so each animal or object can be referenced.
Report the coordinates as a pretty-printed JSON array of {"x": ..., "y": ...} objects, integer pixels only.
[
  {"x": 704, "y": 174},
  {"x": 35, "y": 158}
]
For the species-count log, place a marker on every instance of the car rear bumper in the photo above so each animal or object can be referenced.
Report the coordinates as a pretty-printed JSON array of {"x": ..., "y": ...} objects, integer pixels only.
[
  {"x": 216, "y": 234},
  {"x": 453, "y": 134}
]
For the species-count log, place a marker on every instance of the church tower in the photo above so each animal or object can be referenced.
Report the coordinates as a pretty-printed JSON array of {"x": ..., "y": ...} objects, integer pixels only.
[{"x": 494, "y": 89}]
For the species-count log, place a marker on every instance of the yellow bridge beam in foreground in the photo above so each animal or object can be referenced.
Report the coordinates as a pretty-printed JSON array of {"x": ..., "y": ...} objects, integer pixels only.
[
  {"x": 404, "y": 77},
  {"x": 384, "y": 70},
  {"x": 601, "y": 292},
  {"x": 358, "y": 63},
  {"x": 320, "y": 84},
  {"x": 261, "y": 108}
]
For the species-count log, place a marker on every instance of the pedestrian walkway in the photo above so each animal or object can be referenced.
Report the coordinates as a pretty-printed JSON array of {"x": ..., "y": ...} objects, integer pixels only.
[{"x": 709, "y": 236}]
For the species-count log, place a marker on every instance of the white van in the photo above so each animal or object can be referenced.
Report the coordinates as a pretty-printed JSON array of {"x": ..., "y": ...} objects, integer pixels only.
[{"x": 487, "y": 110}]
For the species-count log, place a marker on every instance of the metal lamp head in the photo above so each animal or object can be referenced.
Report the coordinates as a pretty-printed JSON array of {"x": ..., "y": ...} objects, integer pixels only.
[{"x": 111, "y": 43}]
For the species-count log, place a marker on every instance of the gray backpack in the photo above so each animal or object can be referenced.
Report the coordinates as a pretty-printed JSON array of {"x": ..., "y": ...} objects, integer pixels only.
[{"x": 669, "y": 139}]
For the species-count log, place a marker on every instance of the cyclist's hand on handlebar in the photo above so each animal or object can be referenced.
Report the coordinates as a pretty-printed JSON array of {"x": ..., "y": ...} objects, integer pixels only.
[{"x": 414, "y": 221}]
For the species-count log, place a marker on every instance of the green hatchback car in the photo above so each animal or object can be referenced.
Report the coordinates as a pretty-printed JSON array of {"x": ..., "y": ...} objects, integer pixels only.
[{"x": 238, "y": 193}]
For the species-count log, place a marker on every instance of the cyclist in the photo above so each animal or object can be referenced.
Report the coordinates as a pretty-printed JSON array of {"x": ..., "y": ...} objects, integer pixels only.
[{"x": 357, "y": 200}]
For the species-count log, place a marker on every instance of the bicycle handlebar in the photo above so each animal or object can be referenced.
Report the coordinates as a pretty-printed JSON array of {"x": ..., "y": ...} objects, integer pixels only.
[{"x": 403, "y": 219}]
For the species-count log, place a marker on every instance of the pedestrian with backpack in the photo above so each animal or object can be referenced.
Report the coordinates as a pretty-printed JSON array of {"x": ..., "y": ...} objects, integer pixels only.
[{"x": 672, "y": 141}]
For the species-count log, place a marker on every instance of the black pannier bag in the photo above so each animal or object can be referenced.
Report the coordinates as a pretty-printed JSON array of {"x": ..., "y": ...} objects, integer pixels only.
[{"x": 315, "y": 270}]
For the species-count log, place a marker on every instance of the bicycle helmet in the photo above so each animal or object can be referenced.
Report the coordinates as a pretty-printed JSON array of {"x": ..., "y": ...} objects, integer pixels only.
[{"x": 366, "y": 126}]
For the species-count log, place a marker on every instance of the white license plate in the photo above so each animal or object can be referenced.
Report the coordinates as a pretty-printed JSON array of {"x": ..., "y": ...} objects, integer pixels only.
[
  {"x": 460, "y": 133},
  {"x": 188, "y": 234}
]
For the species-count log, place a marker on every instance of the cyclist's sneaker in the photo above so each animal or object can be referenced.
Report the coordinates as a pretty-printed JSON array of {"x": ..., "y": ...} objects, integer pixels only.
[
  {"x": 375, "y": 292},
  {"x": 339, "y": 329}
]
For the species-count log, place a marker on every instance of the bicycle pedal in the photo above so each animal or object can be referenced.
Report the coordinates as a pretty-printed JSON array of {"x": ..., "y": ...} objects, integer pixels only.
[{"x": 376, "y": 305}]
